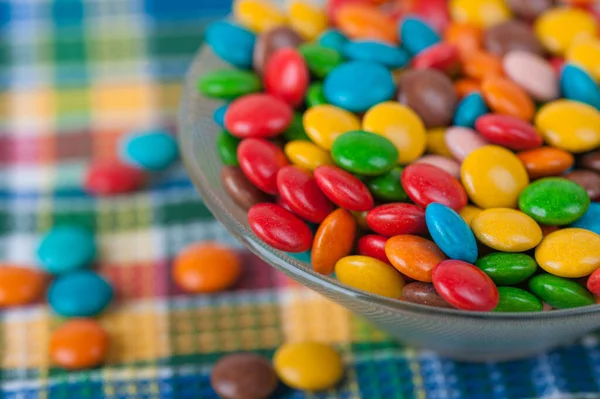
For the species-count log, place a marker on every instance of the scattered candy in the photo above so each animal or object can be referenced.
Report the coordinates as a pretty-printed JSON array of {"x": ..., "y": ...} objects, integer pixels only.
[
  {"x": 194, "y": 268},
  {"x": 106, "y": 178},
  {"x": 481, "y": 131},
  {"x": 150, "y": 151},
  {"x": 79, "y": 344},
  {"x": 20, "y": 285},
  {"x": 243, "y": 375},
  {"x": 80, "y": 294},
  {"x": 66, "y": 248},
  {"x": 310, "y": 366}
]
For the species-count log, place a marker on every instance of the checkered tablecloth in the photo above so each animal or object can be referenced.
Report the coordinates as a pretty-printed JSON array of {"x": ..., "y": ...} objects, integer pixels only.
[{"x": 74, "y": 76}]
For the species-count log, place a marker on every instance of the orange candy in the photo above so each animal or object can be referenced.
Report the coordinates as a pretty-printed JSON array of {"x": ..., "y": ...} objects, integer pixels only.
[
  {"x": 206, "y": 267},
  {"x": 364, "y": 21},
  {"x": 468, "y": 38},
  {"x": 466, "y": 86},
  {"x": 20, "y": 285},
  {"x": 79, "y": 344},
  {"x": 546, "y": 161},
  {"x": 505, "y": 97},
  {"x": 479, "y": 64},
  {"x": 334, "y": 240},
  {"x": 414, "y": 256}
]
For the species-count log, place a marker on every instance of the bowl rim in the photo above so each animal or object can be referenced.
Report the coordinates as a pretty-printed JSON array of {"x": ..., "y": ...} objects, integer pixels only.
[{"x": 292, "y": 267}]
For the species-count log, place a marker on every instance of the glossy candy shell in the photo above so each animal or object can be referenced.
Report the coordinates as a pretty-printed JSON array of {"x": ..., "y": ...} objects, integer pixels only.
[
  {"x": 425, "y": 184},
  {"x": 258, "y": 116},
  {"x": 300, "y": 192},
  {"x": 343, "y": 188},
  {"x": 397, "y": 218},
  {"x": 261, "y": 160},
  {"x": 279, "y": 228},
  {"x": 333, "y": 240}
]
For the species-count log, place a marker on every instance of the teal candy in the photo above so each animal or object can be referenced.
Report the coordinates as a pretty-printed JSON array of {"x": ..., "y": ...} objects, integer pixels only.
[
  {"x": 381, "y": 53},
  {"x": 219, "y": 115},
  {"x": 66, "y": 248},
  {"x": 576, "y": 84},
  {"x": 591, "y": 219},
  {"x": 507, "y": 268},
  {"x": 356, "y": 86},
  {"x": 80, "y": 294},
  {"x": 416, "y": 35},
  {"x": 450, "y": 232},
  {"x": 517, "y": 300},
  {"x": 559, "y": 292},
  {"x": 469, "y": 109},
  {"x": 333, "y": 39},
  {"x": 231, "y": 43},
  {"x": 554, "y": 201},
  {"x": 364, "y": 153},
  {"x": 301, "y": 256},
  {"x": 152, "y": 151}
]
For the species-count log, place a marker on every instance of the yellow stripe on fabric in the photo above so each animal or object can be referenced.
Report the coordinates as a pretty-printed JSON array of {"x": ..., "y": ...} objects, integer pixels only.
[{"x": 415, "y": 368}]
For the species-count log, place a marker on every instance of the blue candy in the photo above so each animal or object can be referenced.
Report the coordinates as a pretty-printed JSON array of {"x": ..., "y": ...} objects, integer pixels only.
[
  {"x": 333, "y": 39},
  {"x": 358, "y": 85},
  {"x": 79, "y": 294},
  {"x": 576, "y": 84},
  {"x": 451, "y": 233},
  {"x": 219, "y": 115},
  {"x": 301, "y": 256},
  {"x": 232, "y": 43},
  {"x": 469, "y": 109},
  {"x": 416, "y": 35},
  {"x": 66, "y": 248},
  {"x": 590, "y": 219},
  {"x": 381, "y": 53},
  {"x": 149, "y": 150}
]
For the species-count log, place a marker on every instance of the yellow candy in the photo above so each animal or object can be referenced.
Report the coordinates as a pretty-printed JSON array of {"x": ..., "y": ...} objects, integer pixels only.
[
  {"x": 436, "y": 142},
  {"x": 493, "y": 177},
  {"x": 258, "y": 15},
  {"x": 399, "y": 124},
  {"x": 506, "y": 230},
  {"x": 469, "y": 212},
  {"x": 306, "y": 155},
  {"x": 307, "y": 19},
  {"x": 586, "y": 53},
  {"x": 484, "y": 13},
  {"x": 309, "y": 366},
  {"x": 559, "y": 27},
  {"x": 370, "y": 274},
  {"x": 569, "y": 125},
  {"x": 324, "y": 123},
  {"x": 569, "y": 253}
]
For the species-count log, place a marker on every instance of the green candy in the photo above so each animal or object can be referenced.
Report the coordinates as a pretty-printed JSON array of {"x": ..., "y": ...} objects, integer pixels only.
[
  {"x": 315, "y": 95},
  {"x": 517, "y": 300},
  {"x": 388, "y": 187},
  {"x": 364, "y": 153},
  {"x": 507, "y": 268},
  {"x": 320, "y": 60},
  {"x": 227, "y": 148},
  {"x": 559, "y": 292},
  {"x": 296, "y": 129},
  {"x": 229, "y": 84},
  {"x": 554, "y": 201}
]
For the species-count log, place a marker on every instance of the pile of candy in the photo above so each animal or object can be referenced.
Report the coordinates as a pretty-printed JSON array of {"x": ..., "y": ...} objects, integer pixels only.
[{"x": 438, "y": 152}]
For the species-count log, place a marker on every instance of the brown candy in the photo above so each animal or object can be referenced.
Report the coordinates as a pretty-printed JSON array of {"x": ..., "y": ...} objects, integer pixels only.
[
  {"x": 588, "y": 180},
  {"x": 239, "y": 188},
  {"x": 510, "y": 36},
  {"x": 591, "y": 161},
  {"x": 430, "y": 94},
  {"x": 271, "y": 40},
  {"x": 424, "y": 294},
  {"x": 529, "y": 9},
  {"x": 243, "y": 376}
]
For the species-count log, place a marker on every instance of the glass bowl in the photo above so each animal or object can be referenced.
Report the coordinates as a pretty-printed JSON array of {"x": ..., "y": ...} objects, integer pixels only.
[{"x": 471, "y": 336}]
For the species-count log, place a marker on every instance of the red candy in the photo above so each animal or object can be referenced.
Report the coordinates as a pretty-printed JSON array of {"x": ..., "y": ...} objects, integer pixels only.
[
  {"x": 557, "y": 64},
  {"x": 397, "y": 219},
  {"x": 260, "y": 161},
  {"x": 433, "y": 12},
  {"x": 257, "y": 115},
  {"x": 426, "y": 183},
  {"x": 343, "y": 188},
  {"x": 279, "y": 228},
  {"x": 112, "y": 177},
  {"x": 286, "y": 76},
  {"x": 593, "y": 283},
  {"x": 300, "y": 192},
  {"x": 465, "y": 286},
  {"x": 374, "y": 246},
  {"x": 444, "y": 57},
  {"x": 508, "y": 131}
]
